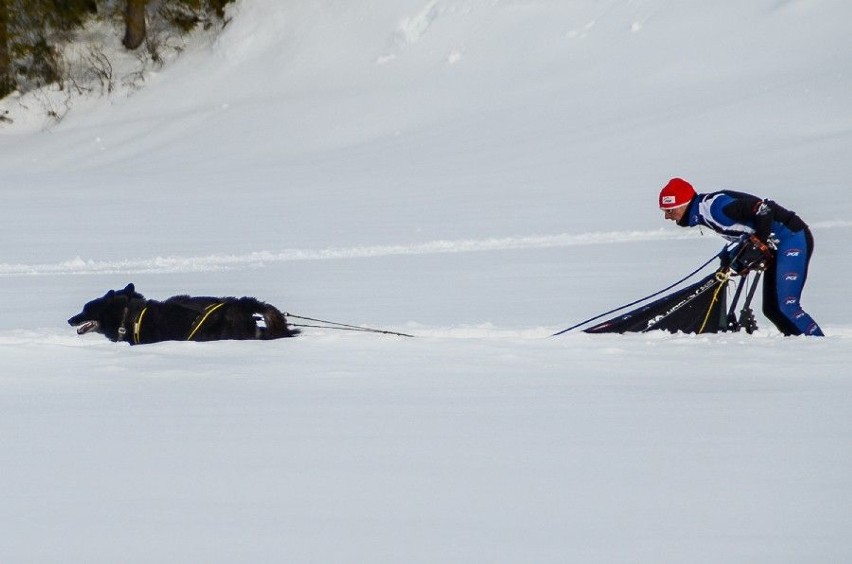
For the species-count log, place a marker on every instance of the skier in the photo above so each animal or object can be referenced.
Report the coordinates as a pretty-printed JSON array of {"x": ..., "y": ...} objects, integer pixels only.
[{"x": 771, "y": 238}]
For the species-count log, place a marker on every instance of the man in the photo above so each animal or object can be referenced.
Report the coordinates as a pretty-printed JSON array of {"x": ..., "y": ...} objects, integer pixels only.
[{"x": 773, "y": 238}]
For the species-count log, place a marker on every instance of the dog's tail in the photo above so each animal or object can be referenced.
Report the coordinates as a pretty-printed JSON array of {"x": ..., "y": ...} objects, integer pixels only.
[{"x": 276, "y": 324}]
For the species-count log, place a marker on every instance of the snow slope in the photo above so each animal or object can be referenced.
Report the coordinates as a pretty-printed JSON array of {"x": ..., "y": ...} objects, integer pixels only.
[{"x": 480, "y": 173}]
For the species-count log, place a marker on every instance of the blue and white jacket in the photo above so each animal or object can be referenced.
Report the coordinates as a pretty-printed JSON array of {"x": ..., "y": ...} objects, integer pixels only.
[{"x": 734, "y": 214}]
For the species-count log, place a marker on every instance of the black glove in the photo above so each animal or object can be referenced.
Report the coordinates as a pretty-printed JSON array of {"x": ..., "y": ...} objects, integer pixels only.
[{"x": 754, "y": 254}]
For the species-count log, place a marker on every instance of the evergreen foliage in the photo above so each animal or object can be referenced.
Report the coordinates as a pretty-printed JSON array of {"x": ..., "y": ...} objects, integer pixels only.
[{"x": 33, "y": 32}]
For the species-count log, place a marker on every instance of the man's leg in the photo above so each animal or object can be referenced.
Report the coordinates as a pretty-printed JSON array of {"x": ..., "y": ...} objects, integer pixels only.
[{"x": 782, "y": 290}]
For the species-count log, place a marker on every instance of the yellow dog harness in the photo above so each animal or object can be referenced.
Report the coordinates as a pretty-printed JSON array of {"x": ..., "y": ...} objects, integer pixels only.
[{"x": 137, "y": 325}]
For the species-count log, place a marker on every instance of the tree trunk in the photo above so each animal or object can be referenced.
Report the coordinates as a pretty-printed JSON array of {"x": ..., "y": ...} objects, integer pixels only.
[
  {"x": 218, "y": 7},
  {"x": 134, "y": 19},
  {"x": 7, "y": 85}
]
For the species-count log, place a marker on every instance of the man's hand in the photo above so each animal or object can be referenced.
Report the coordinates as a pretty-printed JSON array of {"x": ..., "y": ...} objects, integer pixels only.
[{"x": 754, "y": 254}]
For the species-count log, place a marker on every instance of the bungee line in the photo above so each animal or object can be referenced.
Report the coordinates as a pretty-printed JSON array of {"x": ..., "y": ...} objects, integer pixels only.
[{"x": 340, "y": 326}]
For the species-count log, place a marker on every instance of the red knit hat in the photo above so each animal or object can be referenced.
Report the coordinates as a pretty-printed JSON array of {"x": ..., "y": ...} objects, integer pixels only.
[{"x": 678, "y": 192}]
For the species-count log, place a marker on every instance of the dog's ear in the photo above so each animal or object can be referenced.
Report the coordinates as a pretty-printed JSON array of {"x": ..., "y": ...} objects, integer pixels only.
[
  {"x": 109, "y": 294},
  {"x": 130, "y": 288}
]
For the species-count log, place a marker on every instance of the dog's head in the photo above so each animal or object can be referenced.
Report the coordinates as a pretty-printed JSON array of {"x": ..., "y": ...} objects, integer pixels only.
[{"x": 105, "y": 314}]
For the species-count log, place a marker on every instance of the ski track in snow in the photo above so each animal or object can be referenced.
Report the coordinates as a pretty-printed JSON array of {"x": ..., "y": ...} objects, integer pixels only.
[
  {"x": 258, "y": 259},
  {"x": 209, "y": 263}
]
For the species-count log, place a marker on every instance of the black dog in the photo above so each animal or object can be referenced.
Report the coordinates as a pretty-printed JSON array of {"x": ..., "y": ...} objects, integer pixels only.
[{"x": 125, "y": 315}]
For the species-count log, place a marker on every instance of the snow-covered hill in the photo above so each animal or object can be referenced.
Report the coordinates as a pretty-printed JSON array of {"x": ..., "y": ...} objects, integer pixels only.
[{"x": 480, "y": 173}]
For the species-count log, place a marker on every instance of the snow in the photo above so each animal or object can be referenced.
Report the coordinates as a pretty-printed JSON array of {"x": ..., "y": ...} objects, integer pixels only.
[{"x": 478, "y": 173}]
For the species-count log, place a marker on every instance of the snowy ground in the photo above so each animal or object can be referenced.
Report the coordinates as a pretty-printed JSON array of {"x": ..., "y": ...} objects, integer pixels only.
[{"x": 479, "y": 173}]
